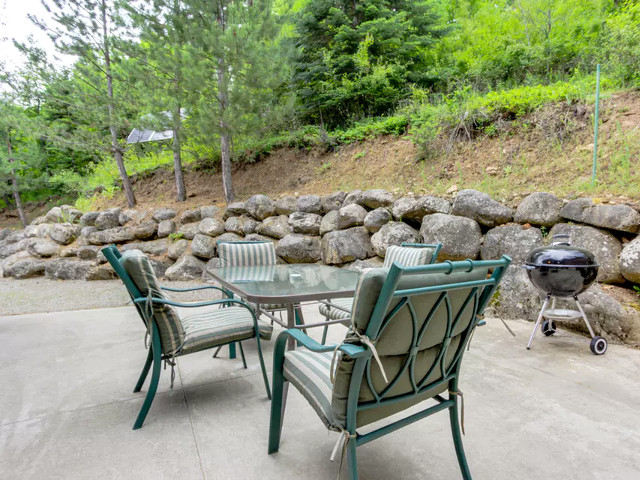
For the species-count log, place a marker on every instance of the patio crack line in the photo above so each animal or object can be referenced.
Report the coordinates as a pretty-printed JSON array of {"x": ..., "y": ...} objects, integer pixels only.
[{"x": 193, "y": 431}]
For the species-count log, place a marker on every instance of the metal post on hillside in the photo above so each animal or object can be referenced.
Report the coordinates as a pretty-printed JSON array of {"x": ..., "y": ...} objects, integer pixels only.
[{"x": 595, "y": 128}]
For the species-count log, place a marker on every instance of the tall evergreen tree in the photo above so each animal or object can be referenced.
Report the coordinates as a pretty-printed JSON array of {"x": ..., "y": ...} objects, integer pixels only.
[{"x": 87, "y": 29}]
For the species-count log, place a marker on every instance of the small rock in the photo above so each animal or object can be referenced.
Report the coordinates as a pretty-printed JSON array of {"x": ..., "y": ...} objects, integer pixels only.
[
  {"x": 376, "y": 219},
  {"x": 393, "y": 233},
  {"x": 89, "y": 252},
  {"x": 63, "y": 233},
  {"x": 162, "y": 214},
  {"x": 310, "y": 204},
  {"x": 452, "y": 189},
  {"x": 296, "y": 248},
  {"x": 376, "y": 198},
  {"x": 211, "y": 226},
  {"x": 481, "y": 208},
  {"x": 307, "y": 223}
]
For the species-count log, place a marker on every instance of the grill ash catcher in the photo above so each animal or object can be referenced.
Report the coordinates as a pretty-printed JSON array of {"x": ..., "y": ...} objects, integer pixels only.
[{"x": 562, "y": 271}]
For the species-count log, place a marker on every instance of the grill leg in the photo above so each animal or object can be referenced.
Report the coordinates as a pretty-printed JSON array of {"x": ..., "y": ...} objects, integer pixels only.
[
  {"x": 584, "y": 317},
  {"x": 544, "y": 307}
]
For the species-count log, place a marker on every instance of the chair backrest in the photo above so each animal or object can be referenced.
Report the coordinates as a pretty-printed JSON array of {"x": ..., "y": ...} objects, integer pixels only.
[
  {"x": 420, "y": 320},
  {"x": 412, "y": 254},
  {"x": 136, "y": 272},
  {"x": 246, "y": 254}
]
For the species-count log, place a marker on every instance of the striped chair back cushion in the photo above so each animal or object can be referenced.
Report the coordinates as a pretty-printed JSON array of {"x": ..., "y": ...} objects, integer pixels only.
[
  {"x": 246, "y": 254},
  {"x": 139, "y": 268},
  {"x": 408, "y": 256}
]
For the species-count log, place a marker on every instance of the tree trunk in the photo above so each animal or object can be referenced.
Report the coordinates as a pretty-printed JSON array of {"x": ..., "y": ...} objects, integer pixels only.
[
  {"x": 225, "y": 135},
  {"x": 181, "y": 191},
  {"x": 14, "y": 185},
  {"x": 117, "y": 151}
]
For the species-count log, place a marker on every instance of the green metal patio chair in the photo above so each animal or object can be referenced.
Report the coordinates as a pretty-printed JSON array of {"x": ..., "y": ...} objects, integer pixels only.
[
  {"x": 172, "y": 335},
  {"x": 338, "y": 310},
  {"x": 409, "y": 332}
]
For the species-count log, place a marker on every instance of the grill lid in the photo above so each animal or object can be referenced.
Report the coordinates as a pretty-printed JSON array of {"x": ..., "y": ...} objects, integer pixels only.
[{"x": 561, "y": 254}]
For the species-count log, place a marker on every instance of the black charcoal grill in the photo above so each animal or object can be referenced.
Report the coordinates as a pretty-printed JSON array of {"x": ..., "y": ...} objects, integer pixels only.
[{"x": 561, "y": 270}]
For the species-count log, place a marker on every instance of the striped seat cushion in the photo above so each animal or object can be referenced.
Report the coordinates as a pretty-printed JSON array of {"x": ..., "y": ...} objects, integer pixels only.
[
  {"x": 139, "y": 268},
  {"x": 210, "y": 327},
  {"x": 336, "y": 313},
  {"x": 309, "y": 373},
  {"x": 408, "y": 256},
  {"x": 239, "y": 254}
]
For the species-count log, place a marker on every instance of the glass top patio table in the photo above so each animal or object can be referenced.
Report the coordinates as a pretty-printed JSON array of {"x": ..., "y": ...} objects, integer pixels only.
[{"x": 287, "y": 284}]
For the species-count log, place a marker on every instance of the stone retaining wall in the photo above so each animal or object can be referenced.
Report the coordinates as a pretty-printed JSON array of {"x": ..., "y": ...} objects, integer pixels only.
[{"x": 351, "y": 229}]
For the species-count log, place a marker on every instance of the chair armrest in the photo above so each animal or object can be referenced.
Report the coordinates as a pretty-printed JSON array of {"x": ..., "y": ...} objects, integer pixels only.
[
  {"x": 164, "y": 301},
  {"x": 203, "y": 287},
  {"x": 353, "y": 351}
]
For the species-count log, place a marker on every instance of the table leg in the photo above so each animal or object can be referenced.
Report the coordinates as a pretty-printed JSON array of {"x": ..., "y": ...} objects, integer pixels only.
[
  {"x": 291, "y": 323},
  {"x": 299, "y": 317}
]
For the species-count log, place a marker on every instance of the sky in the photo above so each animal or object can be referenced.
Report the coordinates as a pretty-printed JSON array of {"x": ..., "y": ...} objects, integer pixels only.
[{"x": 15, "y": 24}]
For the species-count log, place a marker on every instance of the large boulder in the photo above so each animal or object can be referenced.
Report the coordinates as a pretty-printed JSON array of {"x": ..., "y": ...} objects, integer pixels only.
[
  {"x": 481, "y": 208},
  {"x": 129, "y": 215},
  {"x": 178, "y": 248},
  {"x": 24, "y": 266},
  {"x": 276, "y": 227},
  {"x": 513, "y": 240},
  {"x": 89, "y": 219},
  {"x": 4, "y": 233},
  {"x": 44, "y": 229},
  {"x": 414, "y": 209},
  {"x": 187, "y": 267},
  {"x": 630, "y": 261},
  {"x": 203, "y": 246},
  {"x": 145, "y": 230},
  {"x": 235, "y": 225},
  {"x": 154, "y": 247},
  {"x": 211, "y": 226},
  {"x": 614, "y": 217},
  {"x": 43, "y": 248},
  {"x": 15, "y": 236},
  {"x": 376, "y": 198},
  {"x": 286, "y": 205},
  {"x": 296, "y": 248},
  {"x": 161, "y": 214},
  {"x": 189, "y": 230},
  {"x": 70, "y": 214},
  {"x": 209, "y": 211},
  {"x": 260, "y": 207},
  {"x": 333, "y": 201},
  {"x": 365, "y": 265},
  {"x": 256, "y": 237},
  {"x": 89, "y": 252},
  {"x": 108, "y": 219},
  {"x": 166, "y": 228},
  {"x": 235, "y": 209},
  {"x": 54, "y": 215},
  {"x": 540, "y": 208},
  {"x": 68, "y": 269},
  {"x": 393, "y": 233},
  {"x": 9, "y": 249},
  {"x": 461, "y": 237},
  {"x": 190, "y": 216},
  {"x": 376, "y": 219},
  {"x": 31, "y": 231},
  {"x": 603, "y": 245},
  {"x": 355, "y": 196},
  {"x": 310, "y": 204},
  {"x": 307, "y": 223},
  {"x": 229, "y": 237},
  {"x": 63, "y": 233},
  {"x": 351, "y": 215},
  {"x": 111, "y": 235},
  {"x": 329, "y": 222},
  {"x": 343, "y": 246}
]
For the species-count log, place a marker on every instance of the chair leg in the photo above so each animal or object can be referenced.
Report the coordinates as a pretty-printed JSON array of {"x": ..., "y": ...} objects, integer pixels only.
[
  {"x": 145, "y": 371},
  {"x": 262, "y": 367},
  {"x": 352, "y": 463},
  {"x": 325, "y": 329},
  {"x": 244, "y": 361},
  {"x": 232, "y": 350},
  {"x": 457, "y": 441},
  {"x": 155, "y": 377},
  {"x": 215, "y": 354},
  {"x": 275, "y": 422}
]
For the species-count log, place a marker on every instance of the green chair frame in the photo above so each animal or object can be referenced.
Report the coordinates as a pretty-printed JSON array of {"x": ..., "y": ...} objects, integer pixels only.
[
  {"x": 481, "y": 293},
  {"x": 436, "y": 250},
  {"x": 155, "y": 355}
]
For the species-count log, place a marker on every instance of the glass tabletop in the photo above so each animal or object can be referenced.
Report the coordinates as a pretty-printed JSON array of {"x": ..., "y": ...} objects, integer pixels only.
[{"x": 291, "y": 283}]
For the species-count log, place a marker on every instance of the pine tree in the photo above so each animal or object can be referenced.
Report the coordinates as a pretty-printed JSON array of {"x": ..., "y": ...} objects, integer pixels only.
[{"x": 88, "y": 30}]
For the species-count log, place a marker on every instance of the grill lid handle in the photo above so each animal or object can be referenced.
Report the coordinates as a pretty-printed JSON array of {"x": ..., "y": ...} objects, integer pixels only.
[{"x": 561, "y": 239}]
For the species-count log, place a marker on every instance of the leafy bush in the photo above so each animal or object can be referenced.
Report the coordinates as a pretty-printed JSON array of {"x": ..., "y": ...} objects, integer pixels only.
[{"x": 374, "y": 127}]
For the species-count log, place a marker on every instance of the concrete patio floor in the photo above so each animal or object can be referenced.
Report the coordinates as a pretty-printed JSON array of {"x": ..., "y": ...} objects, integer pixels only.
[{"x": 67, "y": 408}]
